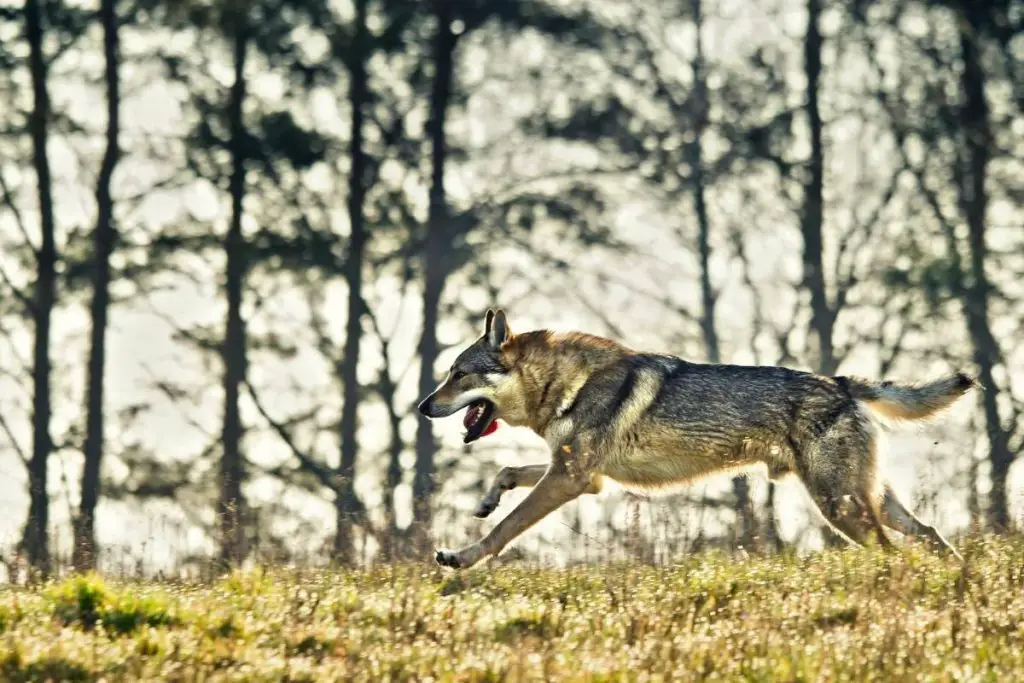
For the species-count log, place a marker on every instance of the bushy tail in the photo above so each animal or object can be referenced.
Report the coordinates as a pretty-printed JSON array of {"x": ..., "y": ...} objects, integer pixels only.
[{"x": 910, "y": 402}]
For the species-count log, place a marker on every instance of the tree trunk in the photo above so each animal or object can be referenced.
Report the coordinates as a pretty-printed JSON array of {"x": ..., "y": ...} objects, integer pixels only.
[
  {"x": 740, "y": 487},
  {"x": 434, "y": 266},
  {"x": 772, "y": 538},
  {"x": 36, "y": 536},
  {"x": 700, "y": 98},
  {"x": 231, "y": 502},
  {"x": 813, "y": 217},
  {"x": 975, "y": 128},
  {"x": 813, "y": 210},
  {"x": 977, "y": 519},
  {"x": 346, "y": 502},
  {"x": 84, "y": 553},
  {"x": 392, "y": 541}
]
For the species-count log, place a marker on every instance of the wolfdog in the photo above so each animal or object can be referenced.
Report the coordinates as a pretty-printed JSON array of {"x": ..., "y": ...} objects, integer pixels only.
[{"x": 649, "y": 421}]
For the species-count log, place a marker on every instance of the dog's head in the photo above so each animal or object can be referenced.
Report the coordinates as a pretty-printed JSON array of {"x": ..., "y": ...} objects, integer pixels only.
[{"x": 479, "y": 380}]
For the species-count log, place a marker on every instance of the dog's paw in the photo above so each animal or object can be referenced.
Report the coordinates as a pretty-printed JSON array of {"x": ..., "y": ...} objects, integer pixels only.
[
  {"x": 484, "y": 509},
  {"x": 447, "y": 558}
]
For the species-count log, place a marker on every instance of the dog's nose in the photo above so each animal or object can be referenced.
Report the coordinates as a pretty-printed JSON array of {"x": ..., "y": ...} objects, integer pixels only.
[{"x": 424, "y": 407}]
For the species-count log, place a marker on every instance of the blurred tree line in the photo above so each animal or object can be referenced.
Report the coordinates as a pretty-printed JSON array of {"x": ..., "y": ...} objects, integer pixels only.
[{"x": 351, "y": 183}]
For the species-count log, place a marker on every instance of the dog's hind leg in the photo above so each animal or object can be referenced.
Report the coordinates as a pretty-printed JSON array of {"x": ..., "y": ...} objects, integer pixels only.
[
  {"x": 897, "y": 516},
  {"x": 849, "y": 517},
  {"x": 839, "y": 472},
  {"x": 832, "y": 536},
  {"x": 508, "y": 478}
]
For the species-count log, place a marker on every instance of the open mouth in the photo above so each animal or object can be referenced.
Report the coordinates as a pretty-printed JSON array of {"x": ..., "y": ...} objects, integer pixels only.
[{"x": 479, "y": 420}]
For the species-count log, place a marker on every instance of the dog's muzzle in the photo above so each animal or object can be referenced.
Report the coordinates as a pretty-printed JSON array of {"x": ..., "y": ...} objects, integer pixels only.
[{"x": 428, "y": 408}]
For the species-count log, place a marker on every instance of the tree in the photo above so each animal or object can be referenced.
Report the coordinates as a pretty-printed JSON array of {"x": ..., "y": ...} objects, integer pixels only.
[
  {"x": 974, "y": 20},
  {"x": 233, "y": 351},
  {"x": 358, "y": 177},
  {"x": 434, "y": 251},
  {"x": 104, "y": 237},
  {"x": 36, "y": 537},
  {"x": 813, "y": 215}
]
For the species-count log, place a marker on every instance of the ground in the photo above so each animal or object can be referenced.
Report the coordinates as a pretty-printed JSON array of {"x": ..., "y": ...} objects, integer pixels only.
[{"x": 849, "y": 615}]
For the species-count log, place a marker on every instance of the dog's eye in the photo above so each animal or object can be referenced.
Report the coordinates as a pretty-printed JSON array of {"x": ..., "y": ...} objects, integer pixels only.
[{"x": 457, "y": 375}]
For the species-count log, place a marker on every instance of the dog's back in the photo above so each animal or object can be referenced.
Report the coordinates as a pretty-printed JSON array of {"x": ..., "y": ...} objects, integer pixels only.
[{"x": 666, "y": 420}]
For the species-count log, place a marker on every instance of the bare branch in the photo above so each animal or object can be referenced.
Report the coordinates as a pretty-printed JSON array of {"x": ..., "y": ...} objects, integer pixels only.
[
  {"x": 18, "y": 294},
  {"x": 164, "y": 388},
  {"x": 12, "y": 205},
  {"x": 324, "y": 474},
  {"x": 889, "y": 359},
  {"x": 757, "y": 324},
  {"x": 561, "y": 265},
  {"x": 847, "y": 278},
  {"x": 13, "y": 441},
  {"x": 24, "y": 368},
  {"x": 782, "y": 336}
]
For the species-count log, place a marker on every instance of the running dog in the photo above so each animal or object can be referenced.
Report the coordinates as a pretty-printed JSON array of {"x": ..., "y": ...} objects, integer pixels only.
[{"x": 651, "y": 421}]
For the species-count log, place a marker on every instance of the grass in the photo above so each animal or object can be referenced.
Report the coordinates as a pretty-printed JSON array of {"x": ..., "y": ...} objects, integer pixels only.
[{"x": 850, "y": 616}]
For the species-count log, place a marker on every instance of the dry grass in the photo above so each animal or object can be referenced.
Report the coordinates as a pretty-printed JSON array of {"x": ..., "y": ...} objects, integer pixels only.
[{"x": 855, "y": 616}]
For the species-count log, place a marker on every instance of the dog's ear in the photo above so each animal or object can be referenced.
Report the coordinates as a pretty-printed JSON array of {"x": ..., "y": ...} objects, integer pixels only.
[
  {"x": 488, "y": 319},
  {"x": 497, "y": 328}
]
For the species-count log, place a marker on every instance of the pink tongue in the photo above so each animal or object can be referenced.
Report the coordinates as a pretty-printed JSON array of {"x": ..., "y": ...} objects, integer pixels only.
[{"x": 490, "y": 428}]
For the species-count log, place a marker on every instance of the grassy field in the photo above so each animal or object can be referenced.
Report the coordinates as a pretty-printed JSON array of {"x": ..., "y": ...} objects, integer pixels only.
[{"x": 852, "y": 616}]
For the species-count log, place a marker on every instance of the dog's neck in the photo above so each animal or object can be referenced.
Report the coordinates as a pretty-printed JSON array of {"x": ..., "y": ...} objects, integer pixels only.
[{"x": 554, "y": 367}]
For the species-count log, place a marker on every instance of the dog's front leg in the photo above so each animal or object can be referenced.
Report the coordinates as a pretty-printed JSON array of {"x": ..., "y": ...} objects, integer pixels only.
[
  {"x": 508, "y": 478},
  {"x": 556, "y": 488}
]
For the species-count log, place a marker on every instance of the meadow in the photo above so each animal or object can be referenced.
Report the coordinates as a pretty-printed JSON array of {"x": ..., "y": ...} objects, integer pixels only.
[{"x": 855, "y": 615}]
